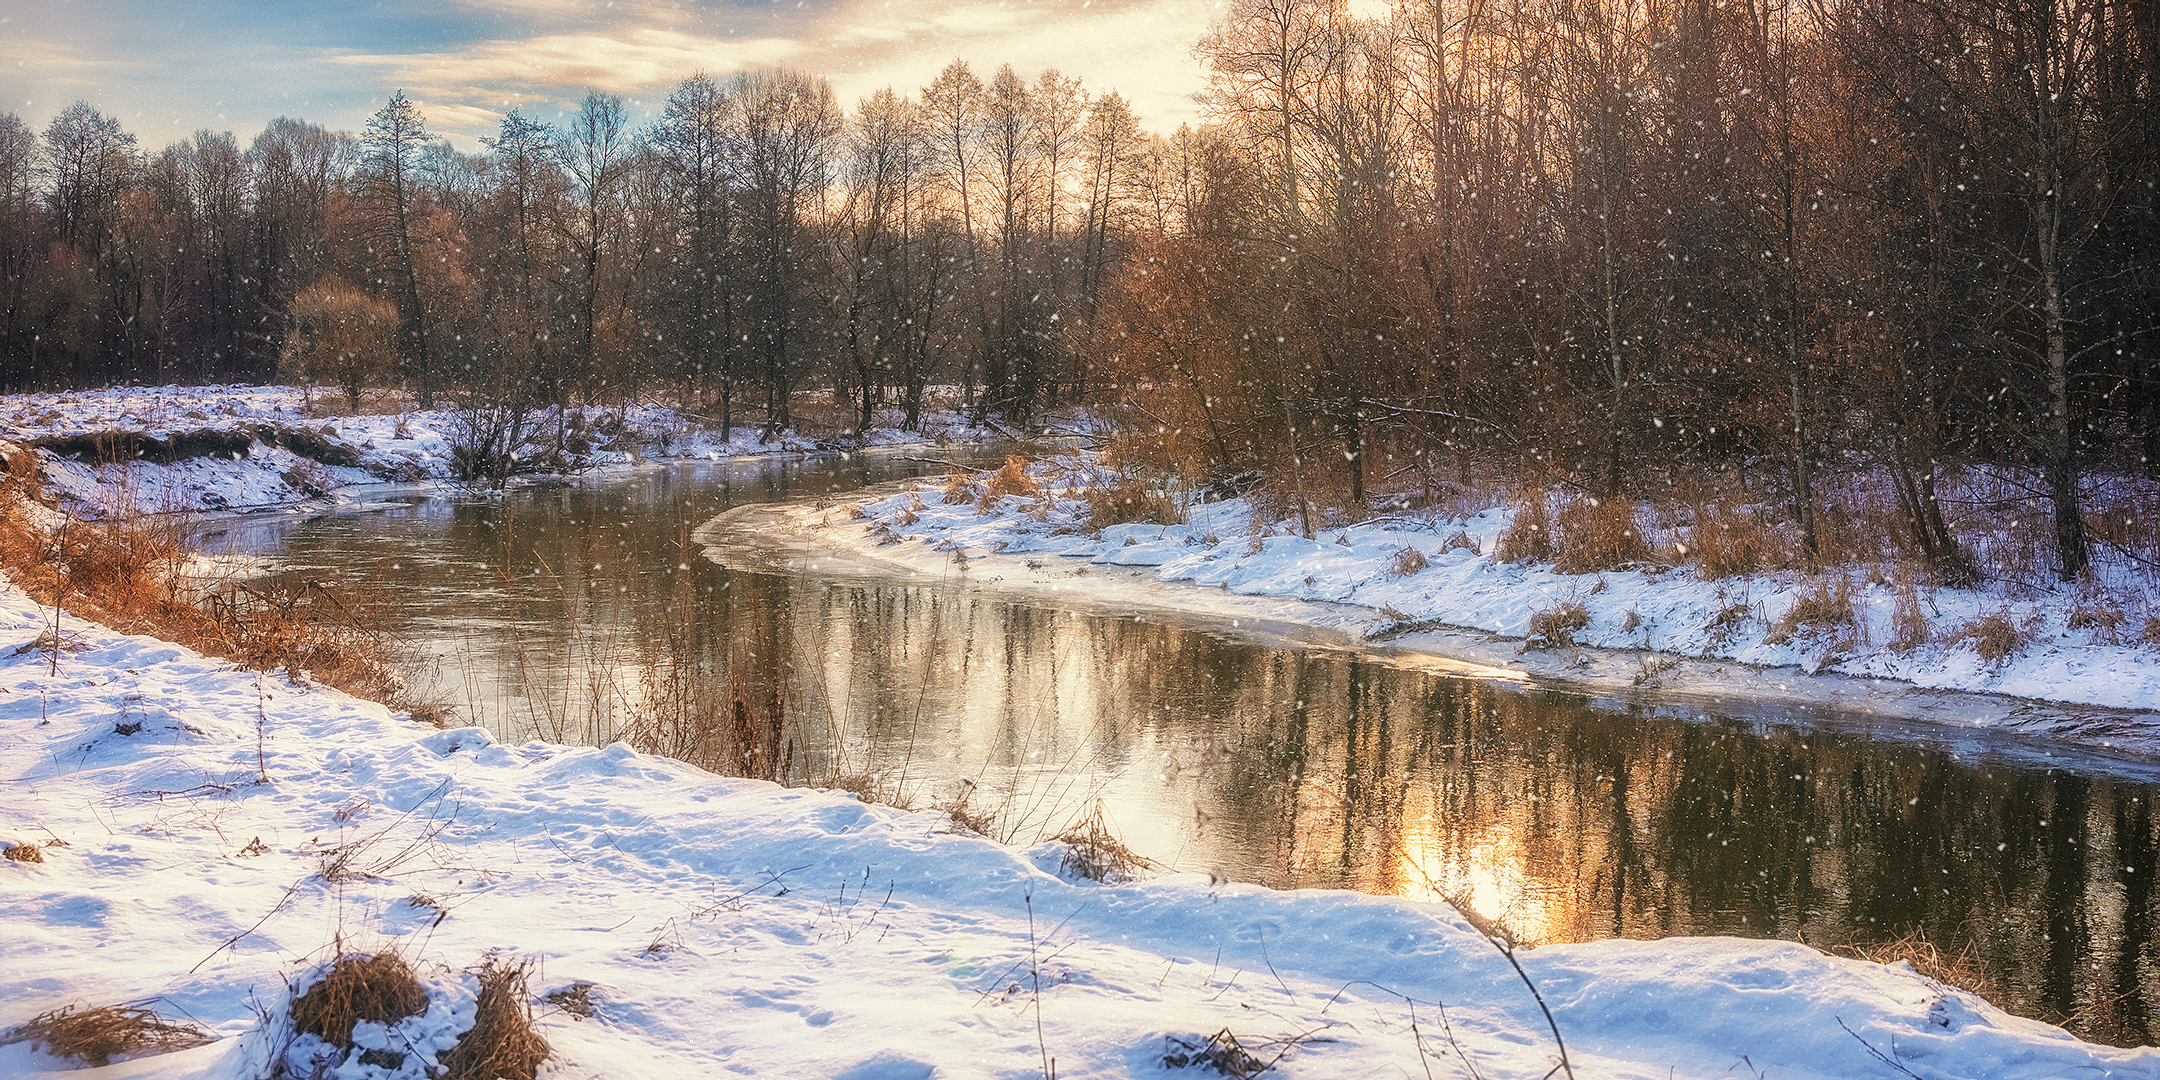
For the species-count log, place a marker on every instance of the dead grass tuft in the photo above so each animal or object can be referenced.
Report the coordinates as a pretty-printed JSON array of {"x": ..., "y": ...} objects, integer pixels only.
[
  {"x": 2152, "y": 630},
  {"x": 2100, "y": 617},
  {"x": 1726, "y": 543},
  {"x": 1994, "y": 636},
  {"x": 1827, "y": 605},
  {"x": 1555, "y": 627},
  {"x": 1461, "y": 541},
  {"x": 501, "y": 1044},
  {"x": 1908, "y": 619},
  {"x": 381, "y": 988},
  {"x": 1093, "y": 852},
  {"x": 1529, "y": 536},
  {"x": 1408, "y": 561},
  {"x": 1128, "y": 501},
  {"x": 23, "y": 853},
  {"x": 96, "y": 1037},
  {"x": 1220, "y": 1052},
  {"x": 575, "y": 999},
  {"x": 1592, "y": 536},
  {"x": 1013, "y": 479},
  {"x": 1963, "y": 970},
  {"x": 961, "y": 489}
]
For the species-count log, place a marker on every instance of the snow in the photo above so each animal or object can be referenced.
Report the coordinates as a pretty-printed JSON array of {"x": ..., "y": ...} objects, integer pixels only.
[
  {"x": 222, "y": 854},
  {"x": 1651, "y": 630},
  {"x": 412, "y": 446}
]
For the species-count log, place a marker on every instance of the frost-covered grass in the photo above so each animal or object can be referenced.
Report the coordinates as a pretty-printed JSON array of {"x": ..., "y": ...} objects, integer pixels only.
[
  {"x": 1875, "y": 618},
  {"x": 214, "y": 838}
]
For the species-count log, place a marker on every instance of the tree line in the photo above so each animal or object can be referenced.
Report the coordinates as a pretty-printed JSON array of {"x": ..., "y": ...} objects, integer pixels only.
[
  {"x": 1597, "y": 242},
  {"x": 753, "y": 241}
]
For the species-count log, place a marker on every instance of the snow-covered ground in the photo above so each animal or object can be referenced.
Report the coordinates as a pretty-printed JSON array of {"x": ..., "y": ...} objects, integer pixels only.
[
  {"x": 1657, "y": 629},
  {"x": 209, "y": 836},
  {"x": 282, "y": 462}
]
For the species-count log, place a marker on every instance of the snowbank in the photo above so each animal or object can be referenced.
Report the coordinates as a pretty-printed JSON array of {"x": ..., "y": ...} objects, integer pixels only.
[
  {"x": 211, "y": 835},
  {"x": 1644, "y": 630}
]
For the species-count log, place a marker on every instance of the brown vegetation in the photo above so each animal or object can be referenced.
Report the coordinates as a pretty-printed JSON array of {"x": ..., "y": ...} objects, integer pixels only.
[
  {"x": 380, "y": 987},
  {"x": 502, "y": 1043},
  {"x": 1529, "y": 535},
  {"x": 1726, "y": 543},
  {"x": 1095, "y": 853},
  {"x": 1827, "y": 605},
  {"x": 1125, "y": 501},
  {"x": 1591, "y": 536},
  {"x": 1994, "y": 636},
  {"x": 97, "y": 1037},
  {"x": 1964, "y": 969},
  {"x": 1555, "y": 627}
]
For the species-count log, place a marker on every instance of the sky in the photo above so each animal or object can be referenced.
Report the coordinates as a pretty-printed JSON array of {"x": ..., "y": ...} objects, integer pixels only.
[{"x": 166, "y": 68}]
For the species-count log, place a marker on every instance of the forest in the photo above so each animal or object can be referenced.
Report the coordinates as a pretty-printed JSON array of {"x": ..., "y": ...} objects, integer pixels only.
[{"x": 1613, "y": 247}]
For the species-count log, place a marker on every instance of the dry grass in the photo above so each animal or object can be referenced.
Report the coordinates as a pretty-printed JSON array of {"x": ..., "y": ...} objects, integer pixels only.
[
  {"x": 1408, "y": 560},
  {"x": 1128, "y": 501},
  {"x": 1726, "y": 543},
  {"x": 501, "y": 1044},
  {"x": 1994, "y": 636},
  {"x": 1555, "y": 627},
  {"x": 1093, "y": 852},
  {"x": 1963, "y": 970},
  {"x": 1591, "y": 536},
  {"x": 2152, "y": 630},
  {"x": 96, "y": 1037},
  {"x": 1826, "y": 606},
  {"x": 1220, "y": 1053},
  {"x": 126, "y": 573},
  {"x": 962, "y": 489},
  {"x": 1529, "y": 536},
  {"x": 1012, "y": 479},
  {"x": 1908, "y": 619},
  {"x": 1461, "y": 541},
  {"x": 2100, "y": 617},
  {"x": 381, "y": 988},
  {"x": 23, "y": 853}
]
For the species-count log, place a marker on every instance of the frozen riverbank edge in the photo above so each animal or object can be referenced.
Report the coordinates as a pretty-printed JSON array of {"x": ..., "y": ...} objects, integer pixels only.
[
  {"x": 1149, "y": 571},
  {"x": 209, "y": 837}
]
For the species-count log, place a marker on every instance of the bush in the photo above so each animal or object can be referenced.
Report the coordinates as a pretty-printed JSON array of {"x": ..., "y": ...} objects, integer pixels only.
[
  {"x": 1827, "y": 605},
  {"x": 1592, "y": 536},
  {"x": 1013, "y": 479}
]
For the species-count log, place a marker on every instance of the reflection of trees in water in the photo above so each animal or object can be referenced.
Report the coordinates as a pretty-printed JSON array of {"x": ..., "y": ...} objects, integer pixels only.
[
  {"x": 1289, "y": 768},
  {"x": 1320, "y": 769}
]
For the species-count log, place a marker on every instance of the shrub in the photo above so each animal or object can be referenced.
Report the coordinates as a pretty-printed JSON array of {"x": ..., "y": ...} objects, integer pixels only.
[
  {"x": 1555, "y": 627},
  {"x": 961, "y": 489},
  {"x": 1591, "y": 536},
  {"x": 1993, "y": 635},
  {"x": 501, "y": 1044},
  {"x": 381, "y": 988},
  {"x": 96, "y": 1037}
]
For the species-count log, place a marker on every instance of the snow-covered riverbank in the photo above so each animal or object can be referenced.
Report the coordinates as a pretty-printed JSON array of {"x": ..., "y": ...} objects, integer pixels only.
[
  {"x": 209, "y": 836},
  {"x": 237, "y": 448},
  {"x": 1645, "y": 632}
]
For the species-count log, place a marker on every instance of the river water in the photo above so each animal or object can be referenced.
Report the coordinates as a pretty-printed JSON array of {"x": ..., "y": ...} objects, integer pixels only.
[{"x": 585, "y": 612}]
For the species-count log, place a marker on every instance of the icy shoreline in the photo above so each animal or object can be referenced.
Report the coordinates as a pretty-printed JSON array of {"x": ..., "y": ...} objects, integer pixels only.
[{"x": 1650, "y": 638}]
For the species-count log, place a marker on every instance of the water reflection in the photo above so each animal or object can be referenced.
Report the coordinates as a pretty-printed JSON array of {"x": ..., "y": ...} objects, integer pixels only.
[{"x": 585, "y": 612}]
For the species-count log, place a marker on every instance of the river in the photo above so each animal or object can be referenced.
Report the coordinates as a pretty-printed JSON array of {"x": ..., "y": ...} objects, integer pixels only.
[{"x": 585, "y": 612}]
